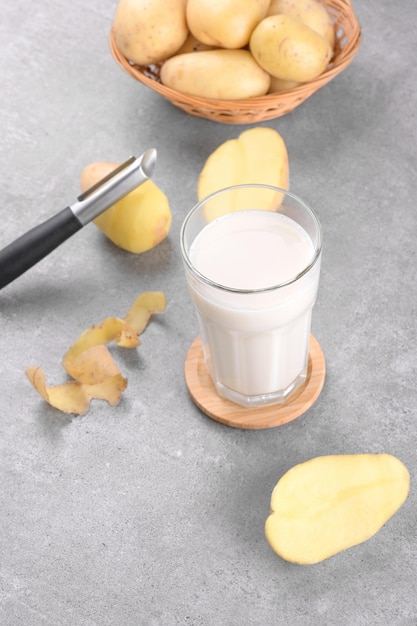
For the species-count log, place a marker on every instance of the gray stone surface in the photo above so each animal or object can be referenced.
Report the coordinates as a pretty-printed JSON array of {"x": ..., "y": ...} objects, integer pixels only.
[{"x": 150, "y": 513}]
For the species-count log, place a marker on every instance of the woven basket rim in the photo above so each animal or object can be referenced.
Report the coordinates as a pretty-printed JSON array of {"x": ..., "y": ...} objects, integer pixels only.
[{"x": 341, "y": 11}]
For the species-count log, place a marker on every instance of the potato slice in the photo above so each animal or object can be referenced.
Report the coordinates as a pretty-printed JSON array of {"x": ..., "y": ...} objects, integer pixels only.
[
  {"x": 258, "y": 155},
  {"x": 331, "y": 503}
]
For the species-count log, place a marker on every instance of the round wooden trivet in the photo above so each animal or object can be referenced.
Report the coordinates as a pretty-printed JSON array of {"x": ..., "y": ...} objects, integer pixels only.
[{"x": 203, "y": 392}]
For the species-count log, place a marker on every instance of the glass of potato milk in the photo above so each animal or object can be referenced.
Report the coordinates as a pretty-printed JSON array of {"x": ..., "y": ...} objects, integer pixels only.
[{"x": 252, "y": 258}]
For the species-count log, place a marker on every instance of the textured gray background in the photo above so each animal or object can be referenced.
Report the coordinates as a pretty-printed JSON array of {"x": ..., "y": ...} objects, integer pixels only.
[{"x": 150, "y": 513}]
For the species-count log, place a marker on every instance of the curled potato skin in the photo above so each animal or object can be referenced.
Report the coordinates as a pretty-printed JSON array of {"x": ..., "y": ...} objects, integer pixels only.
[
  {"x": 88, "y": 361},
  {"x": 73, "y": 396}
]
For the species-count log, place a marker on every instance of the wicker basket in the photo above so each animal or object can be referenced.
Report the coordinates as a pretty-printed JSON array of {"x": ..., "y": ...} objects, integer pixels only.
[{"x": 258, "y": 109}]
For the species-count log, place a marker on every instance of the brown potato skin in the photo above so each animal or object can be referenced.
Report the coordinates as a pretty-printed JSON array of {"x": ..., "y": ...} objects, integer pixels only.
[
  {"x": 218, "y": 74},
  {"x": 149, "y": 31},
  {"x": 288, "y": 49},
  {"x": 310, "y": 12}
]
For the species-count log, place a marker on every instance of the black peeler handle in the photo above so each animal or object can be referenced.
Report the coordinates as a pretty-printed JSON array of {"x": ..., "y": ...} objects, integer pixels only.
[{"x": 34, "y": 245}]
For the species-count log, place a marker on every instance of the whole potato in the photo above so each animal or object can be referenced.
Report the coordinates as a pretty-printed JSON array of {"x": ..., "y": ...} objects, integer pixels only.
[
  {"x": 219, "y": 74},
  {"x": 288, "y": 49},
  {"x": 225, "y": 23},
  {"x": 149, "y": 31},
  {"x": 310, "y": 12}
]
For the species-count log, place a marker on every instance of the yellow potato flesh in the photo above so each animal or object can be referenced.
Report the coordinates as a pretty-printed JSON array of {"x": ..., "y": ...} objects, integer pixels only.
[
  {"x": 258, "y": 155},
  {"x": 331, "y": 503},
  {"x": 137, "y": 222}
]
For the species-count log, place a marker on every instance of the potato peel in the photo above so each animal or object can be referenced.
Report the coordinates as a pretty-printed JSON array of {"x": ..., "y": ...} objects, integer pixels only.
[
  {"x": 75, "y": 397},
  {"x": 92, "y": 366},
  {"x": 110, "y": 329},
  {"x": 145, "y": 305},
  {"x": 88, "y": 361}
]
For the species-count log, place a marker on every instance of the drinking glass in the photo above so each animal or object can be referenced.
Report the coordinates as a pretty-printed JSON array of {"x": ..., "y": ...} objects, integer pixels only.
[{"x": 252, "y": 256}]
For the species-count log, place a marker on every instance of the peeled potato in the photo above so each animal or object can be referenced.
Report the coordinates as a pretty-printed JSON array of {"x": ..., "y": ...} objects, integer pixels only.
[
  {"x": 331, "y": 503},
  {"x": 258, "y": 155},
  {"x": 137, "y": 222}
]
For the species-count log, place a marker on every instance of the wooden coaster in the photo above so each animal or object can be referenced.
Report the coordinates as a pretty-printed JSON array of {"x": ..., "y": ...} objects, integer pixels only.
[{"x": 203, "y": 393}]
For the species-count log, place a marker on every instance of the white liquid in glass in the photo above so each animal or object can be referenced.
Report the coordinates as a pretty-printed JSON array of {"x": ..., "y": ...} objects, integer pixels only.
[{"x": 255, "y": 342}]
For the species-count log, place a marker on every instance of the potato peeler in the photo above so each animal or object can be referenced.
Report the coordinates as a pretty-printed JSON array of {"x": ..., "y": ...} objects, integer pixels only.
[{"x": 34, "y": 245}]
